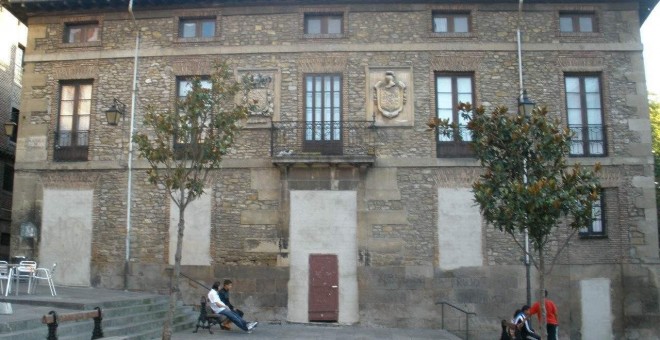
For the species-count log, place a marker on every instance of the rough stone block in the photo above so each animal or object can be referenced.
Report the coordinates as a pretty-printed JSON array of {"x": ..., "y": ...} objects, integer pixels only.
[
  {"x": 253, "y": 245},
  {"x": 265, "y": 179},
  {"x": 260, "y": 216},
  {"x": 269, "y": 195}
]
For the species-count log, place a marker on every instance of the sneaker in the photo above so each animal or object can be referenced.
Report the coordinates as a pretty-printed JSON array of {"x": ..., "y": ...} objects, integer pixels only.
[{"x": 251, "y": 325}]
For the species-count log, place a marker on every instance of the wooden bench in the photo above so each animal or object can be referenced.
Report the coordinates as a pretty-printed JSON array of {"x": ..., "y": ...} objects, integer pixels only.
[
  {"x": 52, "y": 319},
  {"x": 207, "y": 318}
]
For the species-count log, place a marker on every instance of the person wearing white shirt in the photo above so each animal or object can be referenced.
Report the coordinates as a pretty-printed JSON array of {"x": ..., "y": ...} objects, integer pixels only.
[{"x": 220, "y": 308}]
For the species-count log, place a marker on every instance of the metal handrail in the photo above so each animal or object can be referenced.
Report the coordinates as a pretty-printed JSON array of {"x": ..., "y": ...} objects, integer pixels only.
[
  {"x": 467, "y": 316},
  {"x": 195, "y": 281}
]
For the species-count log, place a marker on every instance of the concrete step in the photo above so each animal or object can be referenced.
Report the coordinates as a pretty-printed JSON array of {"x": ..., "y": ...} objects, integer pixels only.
[{"x": 120, "y": 318}]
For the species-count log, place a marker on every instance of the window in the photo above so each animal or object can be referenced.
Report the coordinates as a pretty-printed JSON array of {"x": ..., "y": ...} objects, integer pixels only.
[
  {"x": 323, "y": 102},
  {"x": 72, "y": 136},
  {"x": 324, "y": 24},
  {"x": 585, "y": 115},
  {"x": 18, "y": 64},
  {"x": 184, "y": 86},
  {"x": 5, "y": 238},
  {"x": 577, "y": 22},
  {"x": 450, "y": 90},
  {"x": 451, "y": 22},
  {"x": 81, "y": 32},
  {"x": 8, "y": 178},
  {"x": 596, "y": 226},
  {"x": 197, "y": 28}
]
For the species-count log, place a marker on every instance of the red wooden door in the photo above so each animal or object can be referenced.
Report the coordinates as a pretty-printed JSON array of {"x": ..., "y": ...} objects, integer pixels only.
[{"x": 323, "y": 288}]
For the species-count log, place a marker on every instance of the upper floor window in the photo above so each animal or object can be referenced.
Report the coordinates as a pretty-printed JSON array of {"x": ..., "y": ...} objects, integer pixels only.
[
  {"x": 452, "y": 89},
  {"x": 18, "y": 64},
  {"x": 14, "y": 119},
  {"x": 8, "y": 178},
  {"x": 585, "y": 115},
  {"x": 81, "y": 32},
  {"x": 577, "y": 22},
  {"x": 184, "y": 86},
  {"x": 323, "y": 113},
  {"x": 197, "y": 28},
  {"x": 451, "y": 22},
  {"x": 72, "y": 135},
  {"x": 324, "y": 24},
  {"x": 596, "y": 226}
]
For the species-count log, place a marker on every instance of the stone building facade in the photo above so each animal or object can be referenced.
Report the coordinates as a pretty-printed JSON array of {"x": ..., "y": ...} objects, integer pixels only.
[
  {"x": 335, "y": 172},
  {"x": 12, "y": 49}
]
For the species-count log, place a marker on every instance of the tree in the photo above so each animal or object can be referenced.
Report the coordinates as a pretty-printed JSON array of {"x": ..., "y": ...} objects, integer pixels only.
[
  {"x": 654, "y": 113},
  {"x": 527, "y": 184},
  {"x": 185, "y": 144}
]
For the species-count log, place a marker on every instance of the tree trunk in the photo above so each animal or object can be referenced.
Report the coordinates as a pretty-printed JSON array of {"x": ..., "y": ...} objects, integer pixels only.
[
  {"x": 174, "y": 281},
  {"x": 544, "y": 318}
]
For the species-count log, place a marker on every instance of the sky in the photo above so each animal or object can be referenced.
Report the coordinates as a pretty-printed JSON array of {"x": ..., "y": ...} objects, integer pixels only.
[{"x": 650, "y": 31}]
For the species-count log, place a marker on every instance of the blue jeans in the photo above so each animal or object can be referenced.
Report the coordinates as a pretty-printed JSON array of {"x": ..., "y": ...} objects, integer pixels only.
[{"x": 237, "y": 320}]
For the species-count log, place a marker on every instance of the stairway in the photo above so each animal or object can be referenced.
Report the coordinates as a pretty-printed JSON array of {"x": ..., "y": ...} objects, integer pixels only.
[{"x": 131, "y": 318}]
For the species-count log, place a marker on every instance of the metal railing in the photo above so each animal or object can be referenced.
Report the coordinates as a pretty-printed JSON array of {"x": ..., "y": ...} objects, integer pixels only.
[
  {"x": 454, "y": 143},
  {"x": 588, "y": 140},
  {"x": 71, "y": 146},
  {"x": 195, "y": 281},
  {"x": 467, "y": 316},
  {"x": 345, "y": 138}
]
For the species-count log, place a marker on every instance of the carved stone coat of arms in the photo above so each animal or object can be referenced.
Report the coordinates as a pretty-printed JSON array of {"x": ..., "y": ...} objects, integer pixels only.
[
  {"x": 260, "y": 96},
  {"x": 390, "y": 95}
]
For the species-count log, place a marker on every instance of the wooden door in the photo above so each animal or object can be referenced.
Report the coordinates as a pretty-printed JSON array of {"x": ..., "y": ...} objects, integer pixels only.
[{"x": 323, "y": 288}]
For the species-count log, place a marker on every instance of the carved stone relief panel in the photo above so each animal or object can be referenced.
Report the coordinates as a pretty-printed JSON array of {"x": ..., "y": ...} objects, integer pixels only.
[
  {"x": 264, "y": 96},
  {"x": 389, "y": 96}
]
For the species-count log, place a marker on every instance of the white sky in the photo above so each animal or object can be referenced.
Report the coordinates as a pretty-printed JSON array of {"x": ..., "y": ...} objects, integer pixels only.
[{"x": 650, "y": 31}]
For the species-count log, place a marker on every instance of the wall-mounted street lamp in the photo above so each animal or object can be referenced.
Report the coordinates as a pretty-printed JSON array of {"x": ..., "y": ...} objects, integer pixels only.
[
  {"x": 10, "y": 129},
  {"x": 525, "y": 105},
  {"x": 116, "y": 111}
]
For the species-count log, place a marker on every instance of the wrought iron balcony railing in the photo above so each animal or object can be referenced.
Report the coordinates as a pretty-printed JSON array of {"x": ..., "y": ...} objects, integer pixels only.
[
  {"x": 71, "y": 146},
  {"x": 588, "y": 140},
  {"x": 454, "y": 145},
  {"x": 299, "y": 139}
]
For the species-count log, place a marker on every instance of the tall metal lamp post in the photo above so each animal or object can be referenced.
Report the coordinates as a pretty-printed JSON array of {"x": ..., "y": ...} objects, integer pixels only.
[{"x": 525, "y": 108}]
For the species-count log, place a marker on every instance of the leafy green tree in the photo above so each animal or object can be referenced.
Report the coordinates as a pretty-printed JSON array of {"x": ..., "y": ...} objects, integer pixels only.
[
  {"x": 654, "y": 113},
  {"x": 184, "y": 145},
  {"x": 527, "y": 184}
]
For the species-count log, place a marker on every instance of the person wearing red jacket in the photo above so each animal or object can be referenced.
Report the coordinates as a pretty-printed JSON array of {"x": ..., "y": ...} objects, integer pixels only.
[{"x": 551, "y": 315}]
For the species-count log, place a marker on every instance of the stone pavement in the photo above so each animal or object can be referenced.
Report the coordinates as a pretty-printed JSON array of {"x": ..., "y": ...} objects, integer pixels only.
[
  {"x": 69, "y": 299},
  {"x": 277, "y": 330}
]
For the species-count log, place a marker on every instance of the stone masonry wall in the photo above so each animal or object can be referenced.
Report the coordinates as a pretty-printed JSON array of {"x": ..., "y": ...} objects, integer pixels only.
[{"x": 398, "y": 261}]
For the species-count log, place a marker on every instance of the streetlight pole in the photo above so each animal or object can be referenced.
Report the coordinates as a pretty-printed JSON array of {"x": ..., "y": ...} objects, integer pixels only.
[
  {"x": 522, "y": 101},
  {"x": 129, "y": 189}
]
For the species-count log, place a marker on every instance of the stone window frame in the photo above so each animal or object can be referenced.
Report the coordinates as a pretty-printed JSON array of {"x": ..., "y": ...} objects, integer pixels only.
[
  {"x": 457, "y": 148},
  {"x": 79, "y": 20},
  {"x": 577, "y": 10},
  {"x": 56, "y": 122},
  {"x": 325, "y": 11},
  {"x": 470, "y": 10},
  {"x": 193, "y": 15},
  {"x": 603, "y": 108},
  {"x": 601, "y": 204},
  {"x": 177, "y": 81}
]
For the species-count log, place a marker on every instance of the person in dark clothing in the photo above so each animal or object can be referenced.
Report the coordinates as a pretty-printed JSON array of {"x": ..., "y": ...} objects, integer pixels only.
[
  {"x": 522, "y": 322},
  {"x": 227, "y": 285}
]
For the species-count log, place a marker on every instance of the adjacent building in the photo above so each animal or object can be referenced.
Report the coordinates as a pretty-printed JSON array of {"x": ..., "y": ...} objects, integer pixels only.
[
  {"x": 336, "y": 204},
  {"x": 12, "y": 49}
]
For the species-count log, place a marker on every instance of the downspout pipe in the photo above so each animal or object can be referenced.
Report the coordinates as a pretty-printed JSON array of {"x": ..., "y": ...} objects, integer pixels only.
[{"x": 129, "y": 194}]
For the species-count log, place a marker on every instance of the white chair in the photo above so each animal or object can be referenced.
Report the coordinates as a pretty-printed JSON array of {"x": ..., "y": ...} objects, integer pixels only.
[
  {"x": 45, "y": 274},
  {"x": 25, "y": 270},
  {"x": 4, "y": 275}
]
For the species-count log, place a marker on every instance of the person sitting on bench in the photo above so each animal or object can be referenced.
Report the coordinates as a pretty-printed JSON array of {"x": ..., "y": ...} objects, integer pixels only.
[
  {"x": 219, "y": 307},
  {"x": 227, "y": 285}
]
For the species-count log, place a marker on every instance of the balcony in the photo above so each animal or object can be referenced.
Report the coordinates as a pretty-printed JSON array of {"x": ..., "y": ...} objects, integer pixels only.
[
  {"x": 348, "y": 142},
  {"x": 453, "y": 147},
  {"x": 588, "y": 140},
  {"x": 71, "y": 146}
]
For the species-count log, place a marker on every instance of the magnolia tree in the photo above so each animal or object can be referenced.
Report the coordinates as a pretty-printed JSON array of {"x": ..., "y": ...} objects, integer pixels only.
[
  {"x": 184, "y": 145},
  {"x": 527, "y": 184}
]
